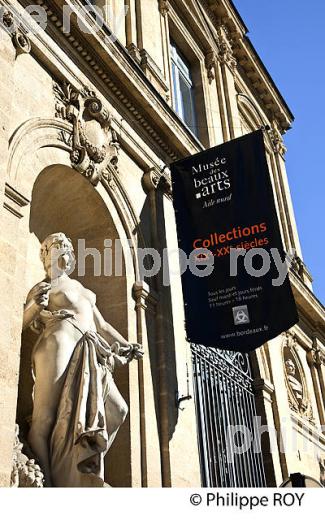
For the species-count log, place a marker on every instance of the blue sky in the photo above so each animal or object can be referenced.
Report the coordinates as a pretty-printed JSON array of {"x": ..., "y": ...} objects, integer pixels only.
[{"x": 290, "y": 41}]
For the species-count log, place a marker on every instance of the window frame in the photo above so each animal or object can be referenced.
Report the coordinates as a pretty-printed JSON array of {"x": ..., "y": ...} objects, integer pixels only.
[{"x": 181, "y": 68}]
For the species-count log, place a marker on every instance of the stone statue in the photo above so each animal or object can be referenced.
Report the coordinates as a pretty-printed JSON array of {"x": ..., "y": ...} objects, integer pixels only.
[
  {"x": 77, "y": 406},
  {"x": 295, "y": 385}
]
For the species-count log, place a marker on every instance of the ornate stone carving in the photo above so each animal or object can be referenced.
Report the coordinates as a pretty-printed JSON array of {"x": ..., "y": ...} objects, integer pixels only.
[
  {"x": 94, "y": 143},
  {"x": 25, "y": 471},
  {"x": 226, "y": 55},
  {"x": 89, "y": 56},
  {"x": 295, "y": 378},
  {"x": 150, "y": 180},
  {"x": 210, "y": 62},
  {"x": 300, "y": 268},
  {"x": 164, "y": 6},
  {"x": 18, "y": 35},
  {"x": 316, "y": 355},
  {"x": 225, "y": 44},
  {"x": 277, "y": 141},
  {"x": 154, "y": 179}
]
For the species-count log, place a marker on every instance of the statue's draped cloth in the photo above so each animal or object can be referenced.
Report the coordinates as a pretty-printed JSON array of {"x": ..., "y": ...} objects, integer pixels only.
[{"x": 79, "y": 439}]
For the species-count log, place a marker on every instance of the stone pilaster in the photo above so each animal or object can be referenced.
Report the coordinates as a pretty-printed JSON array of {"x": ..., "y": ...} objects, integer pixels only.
[{"x": 145, "y": 304}]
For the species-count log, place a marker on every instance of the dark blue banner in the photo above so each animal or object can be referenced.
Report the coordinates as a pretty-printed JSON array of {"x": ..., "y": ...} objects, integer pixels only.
[{"x": 237, "y": 294}]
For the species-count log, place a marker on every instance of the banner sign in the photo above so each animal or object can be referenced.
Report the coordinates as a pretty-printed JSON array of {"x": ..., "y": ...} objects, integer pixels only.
[{"x": 237, "y": 293}]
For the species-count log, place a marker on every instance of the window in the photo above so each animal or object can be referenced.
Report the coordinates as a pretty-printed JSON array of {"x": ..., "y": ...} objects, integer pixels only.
[{"x": 183, "y": 89}]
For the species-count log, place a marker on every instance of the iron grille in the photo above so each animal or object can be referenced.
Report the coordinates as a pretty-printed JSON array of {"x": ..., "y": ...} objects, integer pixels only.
[{"x": 224, "y": 399}]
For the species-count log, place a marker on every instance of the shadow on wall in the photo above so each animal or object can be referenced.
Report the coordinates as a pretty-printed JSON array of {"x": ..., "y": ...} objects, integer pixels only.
[{"x": 160, "y": 324}]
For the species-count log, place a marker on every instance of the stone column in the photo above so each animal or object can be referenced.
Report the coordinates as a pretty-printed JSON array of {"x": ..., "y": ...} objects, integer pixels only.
[
  {"x": 150, "y": 183},
  {"x": 183, "y": 434},
  {"x": 228, "y": 66},
  {"x": 281, "y": 409},
  {"x": 266, "y": 415},
  {"x": 279, "y": 153},
  {"x": 216, "y": 107},
  {"x": 131, "y": 24},
  {"x": 149, "y": 435},
  {"x": 264, "y": 391},
  {"x": 164, "y": 7}
]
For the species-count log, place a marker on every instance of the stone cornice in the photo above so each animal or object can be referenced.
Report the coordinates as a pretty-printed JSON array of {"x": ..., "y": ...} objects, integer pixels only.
[
  {"x": 112, "y": 64},
  {"x": 224, "y": 12},
  {"x": 131, "y": 88}
]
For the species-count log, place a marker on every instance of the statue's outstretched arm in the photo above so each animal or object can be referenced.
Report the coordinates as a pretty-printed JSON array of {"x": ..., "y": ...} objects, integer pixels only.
[
  {"x": 123, "y": 351},
  {"x": 107, "y": 331}
]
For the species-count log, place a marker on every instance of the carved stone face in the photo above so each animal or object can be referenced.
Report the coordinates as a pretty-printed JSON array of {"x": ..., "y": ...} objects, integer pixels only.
[
  {"x": 57, "y": 255},
  {"x": 290, "y": 367}
]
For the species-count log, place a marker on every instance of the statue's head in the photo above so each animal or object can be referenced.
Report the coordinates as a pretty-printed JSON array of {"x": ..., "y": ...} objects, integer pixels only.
[
  {"x": 290, "y": 367},
  {"x": 57, "y": 255}
]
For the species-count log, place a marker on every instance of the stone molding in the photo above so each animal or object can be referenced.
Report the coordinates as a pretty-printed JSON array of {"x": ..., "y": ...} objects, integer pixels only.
[
  {"x": 88, "y": 55},
  {"x": 222, "y": 13},
  {"x": 149, "y": 67},
  {"x": 32, "y": 135},
  {"x": 261, "y": 385},
  {"x": 14, "y": 201}
]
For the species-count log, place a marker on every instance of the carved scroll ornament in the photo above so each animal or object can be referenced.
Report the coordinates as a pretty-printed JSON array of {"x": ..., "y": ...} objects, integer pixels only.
[
  {"x": 299, "y": 400},
  {"x": 94, "y": 143}
]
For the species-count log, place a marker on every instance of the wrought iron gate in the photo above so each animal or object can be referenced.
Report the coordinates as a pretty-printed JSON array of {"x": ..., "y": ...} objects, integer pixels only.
[{"x": 224, "y": 400}]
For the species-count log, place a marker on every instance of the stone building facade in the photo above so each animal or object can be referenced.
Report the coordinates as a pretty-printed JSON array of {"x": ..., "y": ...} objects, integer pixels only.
[{"x": 89, "y": 125}]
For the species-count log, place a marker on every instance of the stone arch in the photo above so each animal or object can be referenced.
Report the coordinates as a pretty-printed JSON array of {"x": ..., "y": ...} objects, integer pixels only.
[
  {"x": 40, "y": 143},
  {"x": 249, "y": 106},
  {"x": 34, "y": 135},
  {"x": 39, "y": 168}
]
